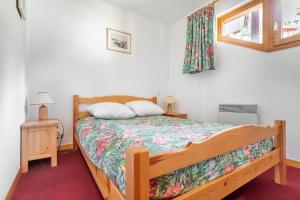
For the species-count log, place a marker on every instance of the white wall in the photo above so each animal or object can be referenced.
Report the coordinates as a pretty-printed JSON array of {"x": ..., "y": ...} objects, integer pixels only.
[
  {"x": 243, "y": 76},
  {"x": 67, "y": 44},
  {"x": 68, "y": 56},
  {"x": 12, "y": 92}
]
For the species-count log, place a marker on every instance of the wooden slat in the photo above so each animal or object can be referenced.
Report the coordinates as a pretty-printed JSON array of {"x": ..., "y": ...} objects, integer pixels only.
[
  {"x": 83, "y": 114},
  {"x": 137, "y": 173},
  {"x": 221, "y": 187},
  {"x": 35, "y": 157},
  {"x": 115, "y": 193},
  {"x": 223, "y": 142},
  {"x": 101, "y": 180},
  {"x": 280, "y": 142},
  {"x": 117, "y": 99}
]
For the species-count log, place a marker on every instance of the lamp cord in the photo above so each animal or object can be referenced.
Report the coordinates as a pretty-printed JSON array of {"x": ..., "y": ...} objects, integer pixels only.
[{"x": 60, "y": 135}]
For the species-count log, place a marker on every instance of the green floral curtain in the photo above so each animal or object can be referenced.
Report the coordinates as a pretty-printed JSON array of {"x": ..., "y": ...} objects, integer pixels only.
[{"x": 199, "y": 55}]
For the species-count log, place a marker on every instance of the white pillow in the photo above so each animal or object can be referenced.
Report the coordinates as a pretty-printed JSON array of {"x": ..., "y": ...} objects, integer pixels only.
[
  {"x": 145, "y": 108},
  {"x": 110, "y": 110}
]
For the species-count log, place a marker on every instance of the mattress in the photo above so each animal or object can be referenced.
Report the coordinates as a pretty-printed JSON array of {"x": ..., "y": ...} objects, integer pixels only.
[{"x": 105, "y": 142}]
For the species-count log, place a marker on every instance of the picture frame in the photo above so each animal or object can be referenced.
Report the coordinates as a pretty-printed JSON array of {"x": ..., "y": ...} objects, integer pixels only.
[
  {"x": 21, "y": 8},
  {"x": 118, "y": 41}
]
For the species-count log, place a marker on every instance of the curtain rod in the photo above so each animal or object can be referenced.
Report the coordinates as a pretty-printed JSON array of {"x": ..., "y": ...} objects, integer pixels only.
[{"x": 213, "y": 2}]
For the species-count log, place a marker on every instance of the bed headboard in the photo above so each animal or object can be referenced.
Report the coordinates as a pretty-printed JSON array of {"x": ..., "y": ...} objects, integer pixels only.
[{"x": 77, "y": 100}]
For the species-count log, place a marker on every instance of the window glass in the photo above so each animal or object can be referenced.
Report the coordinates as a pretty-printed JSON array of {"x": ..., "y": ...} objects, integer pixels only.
[
  {"x": 290, "y": 18},
  {"x": 246, "y": 26}
]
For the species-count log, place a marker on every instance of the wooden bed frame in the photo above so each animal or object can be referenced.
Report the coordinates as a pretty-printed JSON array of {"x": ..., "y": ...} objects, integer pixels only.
[{"x": 141, "y": 166}]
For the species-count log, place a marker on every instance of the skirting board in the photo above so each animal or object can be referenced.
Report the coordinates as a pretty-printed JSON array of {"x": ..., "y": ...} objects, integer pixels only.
[
  {"x": 292, "y": 163},
  {"x": 65, "y": 147},
  {"x": 13, "y": 186}
]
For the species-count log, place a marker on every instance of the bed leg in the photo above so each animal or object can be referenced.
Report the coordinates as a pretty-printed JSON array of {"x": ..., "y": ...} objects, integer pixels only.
[
  {"x": 280, "y": 143},
  {"x": 75, "y": 145},
  {"x": 75, "y": 118},
  {"x": 137, "y": 173}
]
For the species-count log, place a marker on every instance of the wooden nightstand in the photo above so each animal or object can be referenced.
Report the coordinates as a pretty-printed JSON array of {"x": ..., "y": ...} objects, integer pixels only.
[
  {"x": 178, "y": 115},
  {"x": 38, "y": 140}
]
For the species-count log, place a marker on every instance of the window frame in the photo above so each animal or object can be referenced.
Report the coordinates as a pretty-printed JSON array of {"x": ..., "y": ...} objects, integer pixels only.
[
  {"x": 272, "y": 40},
  {"x": 236, "y": 12}
]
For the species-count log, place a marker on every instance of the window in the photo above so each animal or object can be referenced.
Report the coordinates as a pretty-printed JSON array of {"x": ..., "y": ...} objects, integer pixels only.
[
  {"x": 243, "y": 26},
  {"x": 247, "y": 26},
  {"x": 266, "y": 25},
  {"x": 290, "y": 18},
  {"x": 287, "y": 22}
]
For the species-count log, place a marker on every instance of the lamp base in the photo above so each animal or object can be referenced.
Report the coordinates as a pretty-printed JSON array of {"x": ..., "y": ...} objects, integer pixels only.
[
  {"x": 43, "y": 112},
  {"x": 169, "y": 108}
]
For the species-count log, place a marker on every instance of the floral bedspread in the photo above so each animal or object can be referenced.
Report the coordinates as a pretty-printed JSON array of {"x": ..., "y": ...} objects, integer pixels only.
[{"x": 105, "y": 141}]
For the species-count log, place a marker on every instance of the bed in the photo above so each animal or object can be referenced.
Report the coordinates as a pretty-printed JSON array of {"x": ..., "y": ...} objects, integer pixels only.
[{"x": 161, "y": 157}]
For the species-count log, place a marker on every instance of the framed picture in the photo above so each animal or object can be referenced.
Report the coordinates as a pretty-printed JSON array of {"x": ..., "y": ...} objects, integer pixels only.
[
  {"x": 21, "y": 7},
  {"x": 118, "y": 41}
]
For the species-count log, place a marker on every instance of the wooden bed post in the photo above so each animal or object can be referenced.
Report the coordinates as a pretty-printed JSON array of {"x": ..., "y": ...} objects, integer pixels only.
[
  {"x": 137, "y": 173},
  {"x": 280, "y": 168},
  {"x": 75, "y": 118}
]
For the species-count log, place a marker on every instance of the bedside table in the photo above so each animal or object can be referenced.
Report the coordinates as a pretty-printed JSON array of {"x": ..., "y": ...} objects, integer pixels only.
[
  {"x": 38, "y": 140},
  {"x": 178, "y": 115}
]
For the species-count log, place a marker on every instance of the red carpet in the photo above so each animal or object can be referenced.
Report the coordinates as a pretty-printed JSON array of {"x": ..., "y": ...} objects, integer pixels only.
[{"x": 71, "y": 180}]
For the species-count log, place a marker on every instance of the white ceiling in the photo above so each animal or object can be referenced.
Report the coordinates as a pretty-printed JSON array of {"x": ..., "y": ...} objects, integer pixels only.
[{"x": 166, "y": 11}]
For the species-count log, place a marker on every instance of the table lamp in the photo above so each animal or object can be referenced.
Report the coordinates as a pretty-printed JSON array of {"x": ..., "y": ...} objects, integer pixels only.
[
  {"x": 42, "y": 98},
  {"x": 169, "y": 101}
]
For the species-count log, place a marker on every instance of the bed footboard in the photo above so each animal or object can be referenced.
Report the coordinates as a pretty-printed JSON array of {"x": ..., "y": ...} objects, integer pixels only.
[{"x": 141, "y": 166}]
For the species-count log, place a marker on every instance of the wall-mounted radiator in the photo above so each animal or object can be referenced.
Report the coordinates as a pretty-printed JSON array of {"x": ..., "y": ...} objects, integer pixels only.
[{"x": 238, "y": 114}]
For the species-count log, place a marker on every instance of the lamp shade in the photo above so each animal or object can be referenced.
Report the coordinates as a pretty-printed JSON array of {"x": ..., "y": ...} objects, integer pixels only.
[
  {"x": 169, "y": 100},
  {"x": 42, "y": 98}
]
